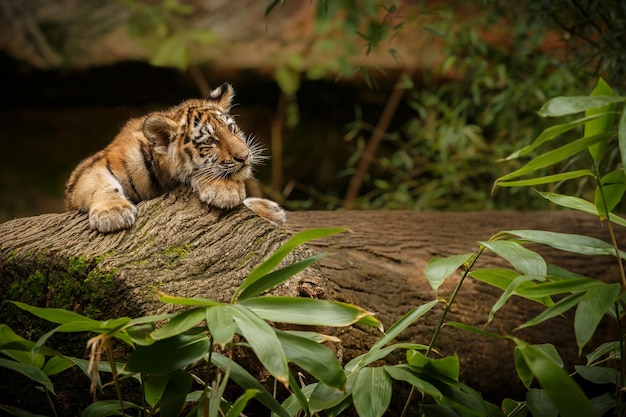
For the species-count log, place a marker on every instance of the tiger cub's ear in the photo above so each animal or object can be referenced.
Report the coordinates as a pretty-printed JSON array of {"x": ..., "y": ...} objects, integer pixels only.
[
  {"x": 160, "y": 130},
  {"x": 222, "y": 96}
]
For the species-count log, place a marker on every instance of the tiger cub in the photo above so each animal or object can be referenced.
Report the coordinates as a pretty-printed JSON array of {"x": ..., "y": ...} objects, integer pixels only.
[{"x": 196, "y": 143}]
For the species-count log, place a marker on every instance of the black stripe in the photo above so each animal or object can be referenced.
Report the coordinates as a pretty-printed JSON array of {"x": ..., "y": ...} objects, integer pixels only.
[
  {"x": 148, "y": 160},
  {"x": 131, "y": 183}
]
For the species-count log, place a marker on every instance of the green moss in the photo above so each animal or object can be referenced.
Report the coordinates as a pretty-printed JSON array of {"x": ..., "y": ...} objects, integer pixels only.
[{"x": 174, "y": 254}]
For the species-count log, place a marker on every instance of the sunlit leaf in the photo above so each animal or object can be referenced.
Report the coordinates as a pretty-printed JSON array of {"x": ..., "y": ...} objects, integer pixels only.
[
  {"x": 221, "y": 325},
  {"x": 591, "y": 308},
  {"x": 240, "y": 404},
  {"x": 372, "y": 392},
  {"x": 308, "y": 311},
  {"x": 550, "y": 288},
  {"x": 247, "y": 381},
  {"x": 57, "y": 364},
  {"x": 561, "y": 106},
  {"x": 54, "y": 315},
  {"x": 510, "y": 291},
  {"x": 563, "y": 392},
  {"x": 263, "y": 340},
  {"x": 548, "y": 179},
  {"x": 554, "y": 156},
  {"x": 187, "y": 301},
  {"x": 372, "y": 356},
  {"x": 447, "y": 366},
  {"x": 583, "y": 245},
  {"x": 522, "y": 259},
  {"x": 276, "y": 277},
  {"x": 610, "y": 348},
  {"x": 604, "y": 123},
  {"x": 180, "y": 323},
  {"x": 276, "y": 258},
  {"x": 438, "y": 269},
  {"x": 549, "y": 134},
  {"x": 577, "y": 203}
]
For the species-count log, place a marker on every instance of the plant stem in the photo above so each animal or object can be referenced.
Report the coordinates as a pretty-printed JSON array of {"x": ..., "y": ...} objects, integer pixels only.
[
  {"x": 118, "y": 389},
  {"x": 442, "y": 321}
]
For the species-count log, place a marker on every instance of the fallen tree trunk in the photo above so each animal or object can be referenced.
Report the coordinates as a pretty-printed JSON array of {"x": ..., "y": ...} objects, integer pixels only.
[{"x": 184, "y": 248}]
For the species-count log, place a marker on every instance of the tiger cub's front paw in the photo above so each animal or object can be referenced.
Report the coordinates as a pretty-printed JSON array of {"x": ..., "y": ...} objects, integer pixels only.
[
  {"x": 224, "y": 194},
  {"x": 111, "y": 218},
  {"x": 267, "y": 209}
]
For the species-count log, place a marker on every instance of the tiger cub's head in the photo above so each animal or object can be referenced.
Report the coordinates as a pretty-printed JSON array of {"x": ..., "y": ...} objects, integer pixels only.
[{"x": 200, "y": 138}]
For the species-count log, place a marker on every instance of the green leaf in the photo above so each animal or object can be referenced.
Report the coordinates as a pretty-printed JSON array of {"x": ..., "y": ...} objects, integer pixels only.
[
  {"x": 153, "y": 386},
  {"x": 580, "y": 205},
  {"x": 550, "y": 288},
  {"x": 438, "y": 269},
  {"x": 264, "y": 342},
  {"x": 511, "y": 290},
  {"x": 591, "y": 308},
  {"x": 237, "y": 409},
  {"x": 276, "y": 277},
  {"x": 613, "y": 187},
  {"x": 180, "y": 323},
  {"x": 372, "y": 392},
  {"x": 316, "y": 359},
  {"x": 105, "y": 408},
  {"x": 191, "y": 301},
  {"x": 168, "y": 355},
  {"x": 549, "y": 134},
  {"x": 276, "y": 258},
  {"x": 54, "y": 315},
  {"x": 561, "y": 106},
  {"x": 447, "y": 366},
  {"x": 404, "y": 373},
  {"x": 522, "y": 259},
  {"x": 556, "y": 310},
  {"x": 308, "y": 311},
  {"x": 621, "y": 137},
  {"x": 563, "y": 392},
  {"x": 221, "y": 325},
  {"x": 176, "y": 390},
  {"x": 599, "y": 374},
  {"x": 502, "y": 278},
  {"x": 57, "y": 364},
  {"x": 32, "y": 372},
  {"x": 288, "y": 79},
  {"x": 18, "y": 412},
  {"x": 554, "y": 156},
  {"x": 173, "y": 52},
  {"x": 548, "y": 179},
  {"x": 602, "y": 124},
  {"x": 247, "y": 381},
  {"x": 582, "y": 245},
  {"x": 292, "y": 403},
  {"x": 539, "y": 404},
  {"x": 610, "y": 348},
  {"x": 603, "y": 404}
]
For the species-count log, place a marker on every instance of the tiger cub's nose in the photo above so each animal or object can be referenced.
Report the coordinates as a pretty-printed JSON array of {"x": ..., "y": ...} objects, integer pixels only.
[{"x": 242, "y": 156}]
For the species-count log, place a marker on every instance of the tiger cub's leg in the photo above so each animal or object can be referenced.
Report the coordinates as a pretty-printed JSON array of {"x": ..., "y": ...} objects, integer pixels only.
[
  {"x": 100, "y": 194},
  {"x": 220, "y": 193}
]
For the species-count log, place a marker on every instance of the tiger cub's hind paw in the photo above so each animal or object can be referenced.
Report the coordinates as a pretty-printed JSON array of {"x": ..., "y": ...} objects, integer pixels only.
[
  {"x": 112, "y": 218},
  {"x": 267, "y": 209}
]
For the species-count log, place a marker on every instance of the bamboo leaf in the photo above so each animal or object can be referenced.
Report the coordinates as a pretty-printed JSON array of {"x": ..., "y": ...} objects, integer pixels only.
[
  {"x": 621, "y": 137},
  {"x": 563, "y": 392},
  {"x": 580, "y": 205},
  {"x": 316, "y": 359},
  {"x": 613, "y": 187},
  {"x": 175, "y": 392},
  {"x": 554, "y": 156},
  {"x": 522, "y": 259},
  {"x": 247, "y": 381},
  {"x": 276, "y": 258},
  {"x": 168, "y": 355},
  {"x": 240, "y": 404},
  {"x": 551, "y": 288},
  {"x": 276, "y": 277},
  {"x": 263, "y": 340},
  {"x": 548, "y": 179},
  {"x": 602, "y": 124},
  {"x": 404, "y": 373},
  {"x": 309, "y": 311},
  {"x": 510, "y": 291},
  {"x": 539, "y": 404},
  {"x": 438, "y": 269},
  {"x": 105, "y": 408},
  {"x": 180, "y": 323},
  {"x": 32, "y": 372},
  {"x": 591, "y": 308},
  {"x": 557, "y": 309},
  {"x": 54, "y": 315},
  {"x": 221, "y": 325},
  {"x": 57, "y": 364},
  {"x": 187, "y": 301},
  {"x": 583, "y": 245},
  {"x": 561, "y": 106},
  {"x": 372, "y": 392}
]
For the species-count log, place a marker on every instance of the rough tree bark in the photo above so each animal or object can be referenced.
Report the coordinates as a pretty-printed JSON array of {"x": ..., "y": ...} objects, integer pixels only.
[{"x": 184, "y": 248}]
